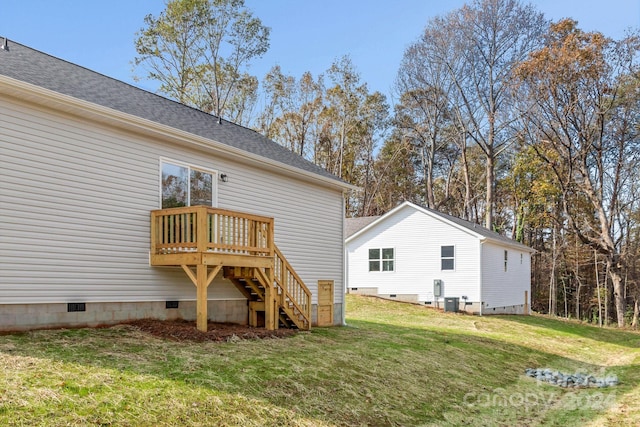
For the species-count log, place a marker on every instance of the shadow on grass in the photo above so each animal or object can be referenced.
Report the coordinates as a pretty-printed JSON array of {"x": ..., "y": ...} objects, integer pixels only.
[
  {"x": 608, "y": 335},
  {"x": 368, "y": 373}
]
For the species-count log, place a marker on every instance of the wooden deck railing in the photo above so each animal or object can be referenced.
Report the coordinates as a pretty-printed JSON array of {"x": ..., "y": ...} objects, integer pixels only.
[
  {"x": 292, "y": 288},
  {"x": 205, "y": 229},
  {"x": 180, "y": 235}
]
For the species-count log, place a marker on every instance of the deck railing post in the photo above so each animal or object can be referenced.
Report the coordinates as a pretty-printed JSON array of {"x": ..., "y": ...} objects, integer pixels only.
[
  {"x": 202, "y": 237},
  {"x": 154, "y": 233},
  {"x": 270, "y": 240},
  {"x": 282, "y": 270},
  {"x": 202, "y": 229}
]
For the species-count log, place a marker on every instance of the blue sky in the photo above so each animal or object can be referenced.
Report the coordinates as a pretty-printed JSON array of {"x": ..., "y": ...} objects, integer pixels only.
[{"x": 306, "y": 35}]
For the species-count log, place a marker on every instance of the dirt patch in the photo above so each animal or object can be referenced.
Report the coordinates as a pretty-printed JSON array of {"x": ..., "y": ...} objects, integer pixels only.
[{"x": 182, "y": 330}]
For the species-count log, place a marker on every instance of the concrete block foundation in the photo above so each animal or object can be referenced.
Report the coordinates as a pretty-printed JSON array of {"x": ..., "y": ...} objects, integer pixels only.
[{"x": 21, "y": 317}]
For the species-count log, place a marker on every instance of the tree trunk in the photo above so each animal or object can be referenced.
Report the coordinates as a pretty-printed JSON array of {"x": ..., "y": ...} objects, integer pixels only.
[
  {"x": 606, "y": 295},
  {"x": 341, "y": 151},
  {"x": 552, "y": 281},
  {"x": 578, "y": 283},
  {"x": 364, "y": 206},
  {"x": 578, "y": 300},
  {"x": 566, "y": 303},
  {"x": 430, "y": 160},
  {"x": 490, "y": 171},
  {"x": 431, "y": 200},
  {"x": 598, "y": 289},
  {"x": 467, "y": 181},
  {"x": 618, "y": 293}
]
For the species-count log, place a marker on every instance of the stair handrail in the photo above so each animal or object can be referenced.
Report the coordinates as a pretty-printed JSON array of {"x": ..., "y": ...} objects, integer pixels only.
[{"x": 294, "y": 290}]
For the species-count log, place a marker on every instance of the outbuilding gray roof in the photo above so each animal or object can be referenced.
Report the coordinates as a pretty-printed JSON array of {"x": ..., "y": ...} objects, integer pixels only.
[
  {"x": 477, "y": 228},
  {"x": 31, "y": 66},
  {"x": 355, "y": 225}
]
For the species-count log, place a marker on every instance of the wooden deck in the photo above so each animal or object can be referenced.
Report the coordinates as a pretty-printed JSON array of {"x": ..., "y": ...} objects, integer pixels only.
[{"x": 204, "y": 240}]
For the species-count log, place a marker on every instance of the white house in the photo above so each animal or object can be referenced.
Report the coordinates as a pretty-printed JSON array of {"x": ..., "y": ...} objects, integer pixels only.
[
  {"x": 420, "y": 255},
  {"x": 115, "y": 202}
]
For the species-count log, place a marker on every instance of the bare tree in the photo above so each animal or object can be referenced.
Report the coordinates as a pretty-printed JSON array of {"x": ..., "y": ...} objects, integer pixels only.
[
  {"x": 480, "y": 46},
  {"x": 424, "y": 109}
]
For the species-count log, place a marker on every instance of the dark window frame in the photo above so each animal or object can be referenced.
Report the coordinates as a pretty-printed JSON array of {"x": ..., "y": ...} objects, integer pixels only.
[{"x": 447, "y": 257}]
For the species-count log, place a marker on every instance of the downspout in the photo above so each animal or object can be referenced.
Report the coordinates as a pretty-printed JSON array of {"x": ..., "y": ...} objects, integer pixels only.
[
  {"x": 345, "y": 264},
  {"x": 480, "y": 242}
]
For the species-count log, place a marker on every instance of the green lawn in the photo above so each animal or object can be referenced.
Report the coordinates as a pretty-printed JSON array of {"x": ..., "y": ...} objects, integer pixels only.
[{"x": 394, "y": 364}]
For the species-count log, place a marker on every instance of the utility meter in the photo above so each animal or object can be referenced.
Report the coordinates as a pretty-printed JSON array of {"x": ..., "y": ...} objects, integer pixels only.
[{"x": 437, "y": 288}]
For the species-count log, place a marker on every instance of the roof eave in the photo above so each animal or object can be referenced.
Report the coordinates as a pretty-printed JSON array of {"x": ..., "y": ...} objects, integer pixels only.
[{"x": 515, "y": 244}]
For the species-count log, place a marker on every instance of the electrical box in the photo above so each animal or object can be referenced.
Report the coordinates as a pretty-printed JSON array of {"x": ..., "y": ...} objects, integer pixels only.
[{"x": 437, "y": 288}]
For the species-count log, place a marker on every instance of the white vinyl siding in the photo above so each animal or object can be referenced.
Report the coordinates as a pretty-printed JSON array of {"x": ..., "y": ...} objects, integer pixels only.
[
  {"x": 417, "y": 239},
  {"x": 504, "y": 285},
  {"x": 75, "y": 198},
  {"x": 425, "y": 243}
]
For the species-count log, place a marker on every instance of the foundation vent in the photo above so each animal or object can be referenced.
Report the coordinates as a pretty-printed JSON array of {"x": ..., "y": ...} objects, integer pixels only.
[{"x": 76, "y": 306}]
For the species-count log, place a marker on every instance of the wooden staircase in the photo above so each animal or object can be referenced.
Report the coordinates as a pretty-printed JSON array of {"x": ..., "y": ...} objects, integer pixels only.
[
  {"x": 252, "y": 282},
  {"x": 203, "y": 240}
]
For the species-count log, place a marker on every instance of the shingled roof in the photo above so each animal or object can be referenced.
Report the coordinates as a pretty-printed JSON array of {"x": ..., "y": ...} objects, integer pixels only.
[
  {"x": 353, "y": 225},
  {"x": 478, "y": 229},
  {"x": 40, "y": 69},
  {"x": 356, "y": 225}
]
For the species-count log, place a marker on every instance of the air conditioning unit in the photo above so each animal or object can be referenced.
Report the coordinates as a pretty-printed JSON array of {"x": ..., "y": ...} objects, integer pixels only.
[{"x": 451, "y": 304}]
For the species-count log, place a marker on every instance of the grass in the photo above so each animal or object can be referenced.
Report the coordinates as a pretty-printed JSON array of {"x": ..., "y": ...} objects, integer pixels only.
[{"x": 394, "y": 364}]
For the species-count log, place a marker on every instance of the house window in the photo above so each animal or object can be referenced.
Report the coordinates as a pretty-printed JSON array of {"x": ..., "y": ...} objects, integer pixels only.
[
  {"x": 381, "y": 259},
  {"x": 521, "y": 256},
  {"x": 506, "y": 259},
  {"x": 184, "y": 185},
  {"x": 447, "y": 258}
]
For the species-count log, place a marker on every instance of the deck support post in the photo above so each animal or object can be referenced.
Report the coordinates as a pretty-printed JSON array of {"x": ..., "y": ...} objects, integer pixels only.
[
  {"x": 275, "y": 298},
  {"x": 203, "y": 280},
  {"x": 201, "y": 240},
  {"x": 201, "y": 298},
  {"x": 270, "y": 303},
  {"x": 268, "y": 308}
]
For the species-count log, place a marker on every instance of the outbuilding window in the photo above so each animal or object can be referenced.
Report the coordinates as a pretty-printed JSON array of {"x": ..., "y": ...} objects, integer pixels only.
[
  {"x": 506, "y": 259},
  {"x": 381, "y": 259},
  {"x": 447, "y": 257}
]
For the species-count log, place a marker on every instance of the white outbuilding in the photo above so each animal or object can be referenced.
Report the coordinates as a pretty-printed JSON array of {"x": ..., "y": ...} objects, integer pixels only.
[{"x": 420, "y": 255}]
